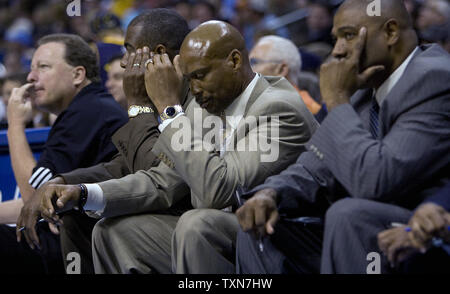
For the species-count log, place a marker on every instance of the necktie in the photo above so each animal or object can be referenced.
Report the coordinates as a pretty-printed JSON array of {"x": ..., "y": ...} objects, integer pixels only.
[{"x": 374, "y": 118}]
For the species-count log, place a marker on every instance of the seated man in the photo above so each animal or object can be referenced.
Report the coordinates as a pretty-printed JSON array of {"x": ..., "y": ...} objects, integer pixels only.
[
  {"x": 277, "y": 56},
  {"x": 63, "y": 81},
  {"x": 423, "y": 245},
  {"x": 385, "y": 139},
  {"x": 134, "y": 140},
  {"x": 241, "y": 128},
  {"x": 114, "y": 83}
]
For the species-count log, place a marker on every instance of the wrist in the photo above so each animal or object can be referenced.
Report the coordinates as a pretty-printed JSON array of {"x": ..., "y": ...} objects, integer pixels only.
[
  {"x": 170, "y": 112},
  {"x": 269, "y": 192},
  {"x": 83, "y": 197},
  {"x": 16, "y": 125}
]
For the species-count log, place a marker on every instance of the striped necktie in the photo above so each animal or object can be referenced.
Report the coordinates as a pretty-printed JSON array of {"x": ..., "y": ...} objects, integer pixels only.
[{"x": 374, "y": 118}]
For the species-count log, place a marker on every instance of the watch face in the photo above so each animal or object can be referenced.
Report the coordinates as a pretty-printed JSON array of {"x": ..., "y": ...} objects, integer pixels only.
[
  {"x": 133, "y": 111},
  {"x": 170, "y": 111}
]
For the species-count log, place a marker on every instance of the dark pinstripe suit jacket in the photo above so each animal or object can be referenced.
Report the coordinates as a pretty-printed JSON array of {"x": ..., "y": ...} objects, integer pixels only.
[{"x": 408, "y": 162}]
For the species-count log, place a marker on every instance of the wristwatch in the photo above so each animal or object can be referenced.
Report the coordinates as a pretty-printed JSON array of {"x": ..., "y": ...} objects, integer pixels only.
[
  {"x": 170, "y": 112},
  {"x": 83, "y": 197},
  {"x": 134, "y": 110}
]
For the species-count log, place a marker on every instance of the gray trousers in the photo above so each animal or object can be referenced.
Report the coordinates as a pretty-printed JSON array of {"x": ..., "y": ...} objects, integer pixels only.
[
  {"x": 133, "y": 244},
  {"x": 351, "y": 229},
  {"x": 204, "y": 242}
]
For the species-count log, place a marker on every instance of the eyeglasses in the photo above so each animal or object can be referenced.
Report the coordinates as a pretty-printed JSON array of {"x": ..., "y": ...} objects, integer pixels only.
[{"x": 255, "y": 61}]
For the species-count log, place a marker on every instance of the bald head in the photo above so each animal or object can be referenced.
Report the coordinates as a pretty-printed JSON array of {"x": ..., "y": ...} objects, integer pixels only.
[
  {"x": 213, "y": 57},
  {"x": 390, "y": 9},
  {"x": 214, "y": 39}
]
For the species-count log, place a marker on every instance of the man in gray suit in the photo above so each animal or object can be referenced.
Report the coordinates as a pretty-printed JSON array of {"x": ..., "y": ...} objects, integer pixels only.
[
  {"x": 386, "y": 139},
  {"x": 260, "y": 127}
]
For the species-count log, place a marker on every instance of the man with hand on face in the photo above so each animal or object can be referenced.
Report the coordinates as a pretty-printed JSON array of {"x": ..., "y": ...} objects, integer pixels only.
[
  {"x": 64, "y": 80},
  {"x": 227, "y": 93},
  {"x": 163, "y": 31},
  {"x": 386, "y": 139}
]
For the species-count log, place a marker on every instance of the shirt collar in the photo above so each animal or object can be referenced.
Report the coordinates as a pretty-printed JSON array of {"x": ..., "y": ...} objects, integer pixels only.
[
  {"x": 387, "y": 86},
  {"x": 235, "y": 111}
]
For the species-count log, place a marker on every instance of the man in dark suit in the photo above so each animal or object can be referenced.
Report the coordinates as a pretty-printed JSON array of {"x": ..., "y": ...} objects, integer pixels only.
[
  {"x": 134, "y": 140},
  {"x": 386, "y": 139}
]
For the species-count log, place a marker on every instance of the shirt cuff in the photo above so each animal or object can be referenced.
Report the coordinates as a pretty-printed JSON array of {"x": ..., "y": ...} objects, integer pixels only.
[
  {"x": 95, "y": 200},
  {"x": 167, "y": 122}
]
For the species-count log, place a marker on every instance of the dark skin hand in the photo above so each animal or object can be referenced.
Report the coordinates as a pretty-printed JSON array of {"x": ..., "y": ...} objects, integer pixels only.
[
  {"x": 341, "y": 77},
  {"x": 429, "y": 220},
  {"x": 259, "y": 214},
  {"x": 396, "y": 245},
  {"x": 133, "y": 78},
  {"x": 30, "y": 213},
  {"x": 58, "y": 198},
  {"x": 163, "y": 80}
]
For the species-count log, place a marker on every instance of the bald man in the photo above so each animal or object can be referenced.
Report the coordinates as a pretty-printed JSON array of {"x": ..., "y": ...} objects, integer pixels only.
[
  {"x": 240, "y": 128},
  {"x": 385, "y": 140}
]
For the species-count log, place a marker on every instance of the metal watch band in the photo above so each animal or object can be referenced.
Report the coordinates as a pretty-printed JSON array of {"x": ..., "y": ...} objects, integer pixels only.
[
  {"x": 135, "y": 110},
  {"x": 178, "y": 109}
]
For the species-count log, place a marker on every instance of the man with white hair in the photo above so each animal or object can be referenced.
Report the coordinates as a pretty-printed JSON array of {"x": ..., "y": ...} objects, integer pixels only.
[{"x": 278, "y": 56}]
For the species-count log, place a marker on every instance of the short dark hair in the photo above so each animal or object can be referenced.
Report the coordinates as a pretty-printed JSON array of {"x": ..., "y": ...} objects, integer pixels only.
[
  {"x": 77, "y": 53},
  {"x": 162, "y": 26}
]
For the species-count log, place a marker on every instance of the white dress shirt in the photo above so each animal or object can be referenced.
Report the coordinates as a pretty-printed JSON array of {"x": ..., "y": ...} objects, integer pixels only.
[{"x": 389, "y": 84}]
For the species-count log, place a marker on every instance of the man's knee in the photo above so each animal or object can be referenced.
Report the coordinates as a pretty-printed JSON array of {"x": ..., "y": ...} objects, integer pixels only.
[
  {"x": 192, "y": 222},
  {"x": 105, "y": 228},
  {"x": 346, "y": 209}
]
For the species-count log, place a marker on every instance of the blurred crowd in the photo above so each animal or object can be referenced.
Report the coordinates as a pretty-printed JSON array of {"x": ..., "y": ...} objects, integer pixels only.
[{"x": 103, "y": 23}]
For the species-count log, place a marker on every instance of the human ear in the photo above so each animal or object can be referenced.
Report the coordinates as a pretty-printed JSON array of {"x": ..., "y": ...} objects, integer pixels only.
[
  {"x": 234, "y": 59},
  {"x": 282, "y": 69},
  {"x": 79, "y": 74},
  {"x": 391, "y": 31}
]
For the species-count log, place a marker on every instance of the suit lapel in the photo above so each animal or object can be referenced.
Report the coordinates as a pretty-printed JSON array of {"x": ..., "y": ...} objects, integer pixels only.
[
  {"x": 394, "y": 103},
  {"x": 261, "y": 86}
]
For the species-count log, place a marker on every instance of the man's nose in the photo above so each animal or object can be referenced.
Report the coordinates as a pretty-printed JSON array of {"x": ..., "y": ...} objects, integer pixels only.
[
  {"x": 32, "y": 77},
  {"x": 339, "y": 50}
]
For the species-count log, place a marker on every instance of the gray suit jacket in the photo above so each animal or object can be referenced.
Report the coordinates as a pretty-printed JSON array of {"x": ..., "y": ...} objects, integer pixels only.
[
  {"x": 407, "y": 163},
  {"x": 210, "y": 179}
]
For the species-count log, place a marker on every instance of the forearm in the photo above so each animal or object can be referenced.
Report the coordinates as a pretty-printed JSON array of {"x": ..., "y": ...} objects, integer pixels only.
[
  {"x": 22, "y": 159},
  {"x": 154, "y": 190},
  {"x": 114, "y": 169},
  {"x": 10, "y": 211},
  {"x": 389, "y": 167}
]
